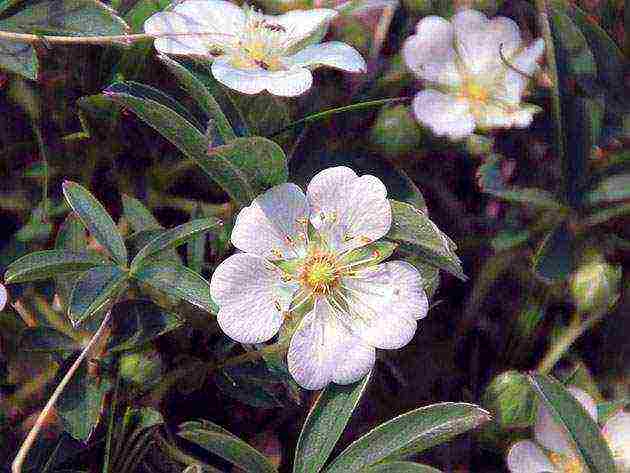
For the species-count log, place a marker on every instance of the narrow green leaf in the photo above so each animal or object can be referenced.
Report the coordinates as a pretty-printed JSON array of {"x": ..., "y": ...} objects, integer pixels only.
[
  {"x": 178, "y": 281},
  {"x": 409, "y": 433},
  {"x": 49, "y": 263},
  {"x": 537, "y": 198},
  {"x": 173, "y": 238},
  {"x": 202, "y": 96},
  {"x": 412, "y": 228},
  {"x": 400, "y": 467},
  {"x": 96, "y": 220},
  {"x": 139, "y": 217},
  {"x": 196, "y": 247},
  {"x": 95, "y": 289},
  {"x": 555, "y": 259},
  {"x": 231, "y": 449},
  {"x": 137, "y": 322},
  {"x": 582, "y": 431},
  {"x": 325, "y": 423},
  {"x": 243, "y": 168},
  {"x": 71, "y": 237},
  {"x": 47, "y": 340}
]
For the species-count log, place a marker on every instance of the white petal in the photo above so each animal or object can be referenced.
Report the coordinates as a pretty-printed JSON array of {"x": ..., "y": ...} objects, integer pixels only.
[
  {"x": 523, "y": 117},
  {"x": 251, "y": 297},
  {"x": 323, "y": 350},
  {"x": 332, "y": 54},
  {"x": 587, "y": 402},
  {"x": 216, "y": 22},
  {"x": 284, "y": 83},
  {"x": 527, "y": 63},
  {"x": 430, "y": 54},
  {"x": 444, "y": 114},
  {"x": 273, "y": 226},
  {"x": 527, "y": 457},
  {"x": 383, "y": 304},
  {"x": 617, "y": 433},
  {"x": 349, "y": 211},
  {"x": 4, "y": 297},
  {"x": 550, "y": 434},
  {"x": 493, "y": 116},
  {"x": 480, "y": 42},
  {"x": 301, "y": 24}
]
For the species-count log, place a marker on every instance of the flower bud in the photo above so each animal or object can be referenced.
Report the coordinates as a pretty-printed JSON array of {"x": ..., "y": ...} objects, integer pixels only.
[{"x": 595, "y": 284}]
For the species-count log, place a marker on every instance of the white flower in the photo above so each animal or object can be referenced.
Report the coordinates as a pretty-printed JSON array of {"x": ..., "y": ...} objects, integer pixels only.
[
  {"x": 552, "y": 451},
  {"x": 252, "y": 52},
  {"x": 313, "y": 254},
  {"x": 477, "y": 70}
]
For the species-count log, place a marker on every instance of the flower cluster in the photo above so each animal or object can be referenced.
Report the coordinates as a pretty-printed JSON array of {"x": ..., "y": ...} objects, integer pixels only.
[
  {"x": 477, "y": 70},
  {"x": 315, "y": 254},
  {"x": 552, "y": 451},
  {"x": 252, "y": 52}
]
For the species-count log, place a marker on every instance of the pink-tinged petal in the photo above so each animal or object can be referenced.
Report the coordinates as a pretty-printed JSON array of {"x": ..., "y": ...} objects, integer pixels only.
[
  {"x": 444, "y": 114},
  {"x": 349, "y": 211},
  {"x": 587, "y": 402},
  {"x": 274, "y": 225},
  {"x": 430, "y": 54},
  {"x": 381, "y": 304},
  {"x": 252, "y": 298},
  {"x": 332, "y": 54},
  {"x": 524, "y": 64},
  {"x": 323, "y": 350},
  {"x": 617, "y": 434},
  {"x": 284, "y": 83},
  {"x": 481, "y": 42},
  {"x": 527, "y": 457}
]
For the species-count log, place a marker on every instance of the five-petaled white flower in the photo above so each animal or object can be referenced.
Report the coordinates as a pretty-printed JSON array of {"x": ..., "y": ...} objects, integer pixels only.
[
  {"x": 252, "y": 52},
  {"x": 314, "y": 254},
  {"x": 477, "y": 70},
  {"x": 553, "y": 452}
]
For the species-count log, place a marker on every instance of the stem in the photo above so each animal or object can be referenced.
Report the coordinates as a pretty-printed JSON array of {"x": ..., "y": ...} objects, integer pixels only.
[
  {"x": 45, "y": 39},
  {"x": 550, "y": 55},
  {"x": 18, "y": 462},
  {"x": 336, "y": 111},
  {"x": 573, "y": 332}
]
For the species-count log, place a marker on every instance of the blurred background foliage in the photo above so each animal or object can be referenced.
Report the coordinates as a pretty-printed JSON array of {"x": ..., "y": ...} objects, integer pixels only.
[{"x": 540, "y": 219}]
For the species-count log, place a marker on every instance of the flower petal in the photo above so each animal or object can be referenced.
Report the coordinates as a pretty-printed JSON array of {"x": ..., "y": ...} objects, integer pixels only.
[
  {"x": 527, "y": 63},
  {"x": 617, "y": 433},
  {"x": 383, "y": 303},
  {"x": 481, "y": 42},
  {"x": 252, "y": 298},
  {"x": 349, "y": 211},
  {"x": 430, "y": 54},
  {"x": 300, "y": 25},
  {"x": 443, "y": 114},
  {"x": 551, "y": 435},
  {"x": 527, "y": 457},
  {"x": 332, "y": 54},
  {"x": 284, "y": 83},
  {"x": 217, "y": 21},
  {"x": 273, "y": 226},
  {"x": 323, "y": 350}
]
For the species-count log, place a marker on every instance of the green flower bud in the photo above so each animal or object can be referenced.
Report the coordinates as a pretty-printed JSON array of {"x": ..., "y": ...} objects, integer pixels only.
[{"x": 595, "y": 284}]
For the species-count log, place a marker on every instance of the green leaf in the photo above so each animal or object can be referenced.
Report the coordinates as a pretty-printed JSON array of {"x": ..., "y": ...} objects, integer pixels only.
[
  {"x": 94, "y": 290},
  {"x": 49, "y": 263},
  {"x": 19, "y": 58},
  {"x": 606, "y": 410},
  {"x": 555, "y": 259},
  {"x": 325, "y": 423},
  {"x": 582, "y": 431},
  {"x": 96, "y": 220},
  {"x": 409, "y": 433},
  {"x": 174, "y": 237},
  {"x": 47, "y": 340},
  {"x": 400, "y": 467},
  {"x": 575, "y": 58},
  {"x": 198, "y": 91},
  {"x": 244, "y": 168},
  {"x": 66, "y": 18},
  {"x": 71, "y": 237},
  {"x": 196, "y": 248},
  {"x": 610, "y": 189},
  {"x": 413, "y": 228},
  {"x": 139, "y": 217},
  {"x": 81, "y": 403},
  {"x": 230, "y": 448},
  {"x": 178, "y": 281},
  {"x": 137, "y": 322},
  {"x": 511, "y": 400}
]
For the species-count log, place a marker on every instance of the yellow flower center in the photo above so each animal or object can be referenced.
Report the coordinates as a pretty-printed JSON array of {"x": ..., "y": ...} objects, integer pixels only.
[
  {"x": 320, "y": 273},
  {"x": 475, "y": 92},
  {"x": 567, "y": 464}
]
